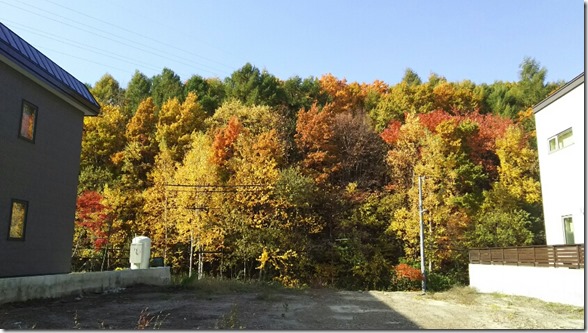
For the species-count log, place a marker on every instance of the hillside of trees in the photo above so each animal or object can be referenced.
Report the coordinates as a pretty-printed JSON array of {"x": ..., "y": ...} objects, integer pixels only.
[{"x": 311, "y": 181}]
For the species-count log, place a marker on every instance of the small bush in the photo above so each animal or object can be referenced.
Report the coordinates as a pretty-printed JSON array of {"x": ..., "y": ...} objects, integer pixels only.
[
  {"x": 406, "y": 278},
  {"x": 440, "y": 282}
]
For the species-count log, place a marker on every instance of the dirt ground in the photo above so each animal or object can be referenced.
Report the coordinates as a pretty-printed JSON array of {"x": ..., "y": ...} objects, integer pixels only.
[{"x": 171, "y": 308}]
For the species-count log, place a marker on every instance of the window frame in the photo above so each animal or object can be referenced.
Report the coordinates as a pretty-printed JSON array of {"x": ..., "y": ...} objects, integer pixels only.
[
  {"x": 27, "y": 104},
  {"x": 557, "y": 140},
  {"x": 564, "y": 219},
  {"x": 24, "y": 222}
]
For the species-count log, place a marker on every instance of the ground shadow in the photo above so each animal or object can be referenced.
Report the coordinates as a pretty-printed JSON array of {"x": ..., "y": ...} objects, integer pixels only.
[{"x": 171, "y": 308}]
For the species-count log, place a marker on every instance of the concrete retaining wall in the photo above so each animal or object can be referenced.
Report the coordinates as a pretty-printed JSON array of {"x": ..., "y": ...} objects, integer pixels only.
[
  {"x": 18, "y": 289},
  {"x": 559, "y": 285}
]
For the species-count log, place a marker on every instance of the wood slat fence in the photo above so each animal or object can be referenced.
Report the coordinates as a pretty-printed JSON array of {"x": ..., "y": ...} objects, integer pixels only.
[{"x": 568, "y": 256}]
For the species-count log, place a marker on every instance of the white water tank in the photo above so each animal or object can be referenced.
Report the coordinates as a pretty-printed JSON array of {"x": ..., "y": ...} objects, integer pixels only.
[{"x": 140, "y": 252}]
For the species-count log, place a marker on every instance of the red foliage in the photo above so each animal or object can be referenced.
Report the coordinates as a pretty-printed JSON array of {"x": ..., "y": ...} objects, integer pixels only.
[
  {"x": 91, "y": 215},
  {"x": 432, "y": 119},
  {"x": 391, "y": 133},
  {"x": 404, "y": 271},
  {"x": 482, "y": 145}
]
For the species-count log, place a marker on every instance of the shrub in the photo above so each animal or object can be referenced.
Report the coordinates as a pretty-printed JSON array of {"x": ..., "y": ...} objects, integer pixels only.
[
  {"x": 439, "y": 282},
  {"x": 406, "y": 277}
]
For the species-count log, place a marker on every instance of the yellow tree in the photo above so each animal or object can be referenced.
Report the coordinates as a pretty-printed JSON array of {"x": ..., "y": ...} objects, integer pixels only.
[
  {"x": 137, "y": 158},
  {"x": 519, "y": 166},
  {"x": 176, "y": 123},
  {"x": 511, "y": 212},
  {"x": 450, "y": 192},
  {"x": 103, "y": 137},
  {"x": 155, "y": 220},
  {"x": 192, "y": 204},
  {"x": 256, "y": 119}
]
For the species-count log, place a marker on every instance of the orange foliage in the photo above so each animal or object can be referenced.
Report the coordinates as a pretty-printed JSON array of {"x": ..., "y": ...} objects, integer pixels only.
[
  {"x": 314, "y": 134},
  {"x": 223, "y": 145},
  {"x": 344, "y": 97},
  {"x": 404, "y": 271}
]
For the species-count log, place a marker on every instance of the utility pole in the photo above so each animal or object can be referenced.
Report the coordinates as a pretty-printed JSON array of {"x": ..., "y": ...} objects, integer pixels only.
[
  {"x": 191, "y": 249},
  {"x": 422, "y": 235}
]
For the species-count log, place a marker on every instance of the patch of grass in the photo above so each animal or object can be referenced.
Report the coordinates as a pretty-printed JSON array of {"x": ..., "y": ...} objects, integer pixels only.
[
  {"x": 460, "y": 294},
  {"x": 213, "y": 286},
  {"x": 556, "y": 308}
]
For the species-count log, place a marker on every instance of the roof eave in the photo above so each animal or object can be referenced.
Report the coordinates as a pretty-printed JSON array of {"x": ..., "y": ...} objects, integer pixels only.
[
  {"x": 566, "y": 88},
  {"x": 30, "y": 70}
]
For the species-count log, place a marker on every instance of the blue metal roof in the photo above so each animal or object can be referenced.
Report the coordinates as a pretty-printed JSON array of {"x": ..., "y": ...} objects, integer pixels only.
[{"x": 36, "y": 63}]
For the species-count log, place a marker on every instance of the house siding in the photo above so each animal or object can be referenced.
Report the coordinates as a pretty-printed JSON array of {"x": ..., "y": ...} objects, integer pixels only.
[
  {"x": 44, "y": 173},
  {"x": 562, "y": 171}
]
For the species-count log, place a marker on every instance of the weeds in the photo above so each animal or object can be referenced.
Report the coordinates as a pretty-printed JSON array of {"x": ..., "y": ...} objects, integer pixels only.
[
  {"x": 230, "y": 321},
  {"x": 146, "y": 320},
  {"x": 76, "y": 319}
]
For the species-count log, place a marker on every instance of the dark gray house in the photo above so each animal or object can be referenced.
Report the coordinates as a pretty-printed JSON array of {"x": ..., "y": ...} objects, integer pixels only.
[{"x": 42, "y": 108}]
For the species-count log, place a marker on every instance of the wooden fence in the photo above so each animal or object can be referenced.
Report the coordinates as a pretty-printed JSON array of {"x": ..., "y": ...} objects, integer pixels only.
[{"x": 569, "y": 256}]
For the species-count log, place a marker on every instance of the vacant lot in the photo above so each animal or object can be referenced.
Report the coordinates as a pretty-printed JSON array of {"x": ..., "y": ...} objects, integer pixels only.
[{"x": 214, "y": 304}]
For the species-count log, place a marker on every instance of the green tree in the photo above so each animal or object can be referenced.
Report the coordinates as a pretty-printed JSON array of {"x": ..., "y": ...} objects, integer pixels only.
[
  {"x": 108, "y": 91},
  {"x": 411, "y": 78},
  {"x": 138, "y": 89},
  {"x": 166, "y": 86},
  {"x": 252, "y": 87},
  {"x": 209, "y": 94}
]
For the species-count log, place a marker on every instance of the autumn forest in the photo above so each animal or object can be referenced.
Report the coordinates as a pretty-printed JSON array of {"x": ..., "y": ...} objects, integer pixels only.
[{"x": 310, "y": 181}]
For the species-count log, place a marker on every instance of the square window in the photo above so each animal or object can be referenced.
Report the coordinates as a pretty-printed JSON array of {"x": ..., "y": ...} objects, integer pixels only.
[
  {"x": 28, "y": 121},
  {"x": 18, "y": 219}
]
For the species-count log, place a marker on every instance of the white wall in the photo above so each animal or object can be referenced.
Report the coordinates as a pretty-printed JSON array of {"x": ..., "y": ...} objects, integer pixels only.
[
  {"x": 559, "y": 285},
  {"x": 562, "y": 171}
]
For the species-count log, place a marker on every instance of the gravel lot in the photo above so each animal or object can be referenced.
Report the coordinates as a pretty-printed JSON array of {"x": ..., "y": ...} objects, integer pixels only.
[{"x": 171, "y": 308}]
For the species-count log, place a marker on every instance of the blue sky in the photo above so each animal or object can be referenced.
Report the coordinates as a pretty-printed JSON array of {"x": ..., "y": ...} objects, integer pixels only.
[{"x": 363, "y": 41}]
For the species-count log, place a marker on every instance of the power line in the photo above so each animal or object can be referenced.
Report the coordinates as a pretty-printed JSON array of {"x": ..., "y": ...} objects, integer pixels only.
[
  {"x": 141, "y": 35},
  {"x": 81, "y": 46},
  {"x": 211, "y": 185},
  {"x": 209, "y": 188},
  {"x": 111, "y": 37}
]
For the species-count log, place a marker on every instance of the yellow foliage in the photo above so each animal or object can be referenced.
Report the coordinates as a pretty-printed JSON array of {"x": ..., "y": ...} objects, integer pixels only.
[{"x": 519, "y": 166}]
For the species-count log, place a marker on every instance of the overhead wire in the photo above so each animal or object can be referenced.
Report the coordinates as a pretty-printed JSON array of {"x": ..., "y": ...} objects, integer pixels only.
[
  {"x": 147, "y": 37},
  {"x": 111, "y": 37},
  {"x": 80, "y": 45}
]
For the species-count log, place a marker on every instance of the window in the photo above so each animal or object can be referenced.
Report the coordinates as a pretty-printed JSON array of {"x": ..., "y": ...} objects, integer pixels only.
[
  {"x": 28, "y": 121},
  {"x": 18, "y": 219},
  {"x": 561, "y": 140},
  {"x": 568, "y": 229}
]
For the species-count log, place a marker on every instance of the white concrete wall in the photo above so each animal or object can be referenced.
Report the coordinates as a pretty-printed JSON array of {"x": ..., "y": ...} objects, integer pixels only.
[
  {"x": 559, "y": 285},
  {"x": 18, "y": 289},
  {"x": 562, "y": 171}
]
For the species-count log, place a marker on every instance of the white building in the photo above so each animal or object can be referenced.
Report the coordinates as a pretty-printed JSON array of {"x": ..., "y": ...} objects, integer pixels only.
[{"x": 560, "y": 142}]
